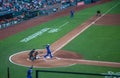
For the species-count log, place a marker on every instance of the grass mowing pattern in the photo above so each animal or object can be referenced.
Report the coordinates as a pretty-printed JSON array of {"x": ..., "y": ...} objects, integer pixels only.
[{"x": 12, "y": 45}]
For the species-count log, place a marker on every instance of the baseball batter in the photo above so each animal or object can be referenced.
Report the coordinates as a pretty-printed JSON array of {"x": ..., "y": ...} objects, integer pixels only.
[{"x": 49, "y": 54}]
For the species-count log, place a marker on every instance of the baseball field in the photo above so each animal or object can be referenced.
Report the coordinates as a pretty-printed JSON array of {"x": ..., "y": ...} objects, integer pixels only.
[{"x": 84, "y": 43}]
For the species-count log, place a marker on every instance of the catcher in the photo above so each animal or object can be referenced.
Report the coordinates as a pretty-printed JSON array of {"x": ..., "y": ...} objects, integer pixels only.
[{"x": 36, "y": 55}]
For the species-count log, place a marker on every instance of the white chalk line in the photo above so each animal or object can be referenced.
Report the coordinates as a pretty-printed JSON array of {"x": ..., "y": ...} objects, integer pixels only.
[
  {"x": 86, "y": 28},
  {"x": 55, "y": 51},
  {"x": 71, "y": 39},
  {"x": 63, "y": 25},
  {"x": 10, "y": 59},
  {"x": 106, "y": 12},
  {"x": 93, "y": 62},
  {"x": 56, "y": 29},
  {"x": 76, "y": 61},
  {"x": 57, "y": 58}
]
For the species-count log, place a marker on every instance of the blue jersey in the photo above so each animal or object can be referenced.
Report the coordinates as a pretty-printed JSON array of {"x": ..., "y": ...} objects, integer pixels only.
[
  {"x": 29, "y": 73},
  {"x": 71, "y": 13},
  {"x": 48, "y": 49}
]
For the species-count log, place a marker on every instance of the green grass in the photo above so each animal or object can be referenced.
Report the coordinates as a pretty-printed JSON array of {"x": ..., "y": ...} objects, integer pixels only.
[
  {"x": 107, "y": 40},
  {"x": 78, "y": 68},
  {"x": 97, "y": 41}
]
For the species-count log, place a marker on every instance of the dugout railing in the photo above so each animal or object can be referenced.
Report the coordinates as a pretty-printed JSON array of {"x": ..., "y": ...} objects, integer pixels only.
[{"x": 39, "y": 74}]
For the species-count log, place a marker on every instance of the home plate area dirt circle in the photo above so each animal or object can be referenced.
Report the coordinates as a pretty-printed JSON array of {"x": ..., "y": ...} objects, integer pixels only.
[{"x": 58, "y": 60}]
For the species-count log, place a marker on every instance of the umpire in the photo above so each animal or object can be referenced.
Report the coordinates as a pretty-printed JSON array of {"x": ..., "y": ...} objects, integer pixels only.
[
  {"x": 31, "y": 54},
  {"x": 98, "y": 13}
]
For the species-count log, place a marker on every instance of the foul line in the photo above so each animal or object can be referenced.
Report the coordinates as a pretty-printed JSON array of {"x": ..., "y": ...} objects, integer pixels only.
[
  {"x": 85, "y": 28},
  {"x": 91, "y": 62},
  {"x": 102, "y": 62}
]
